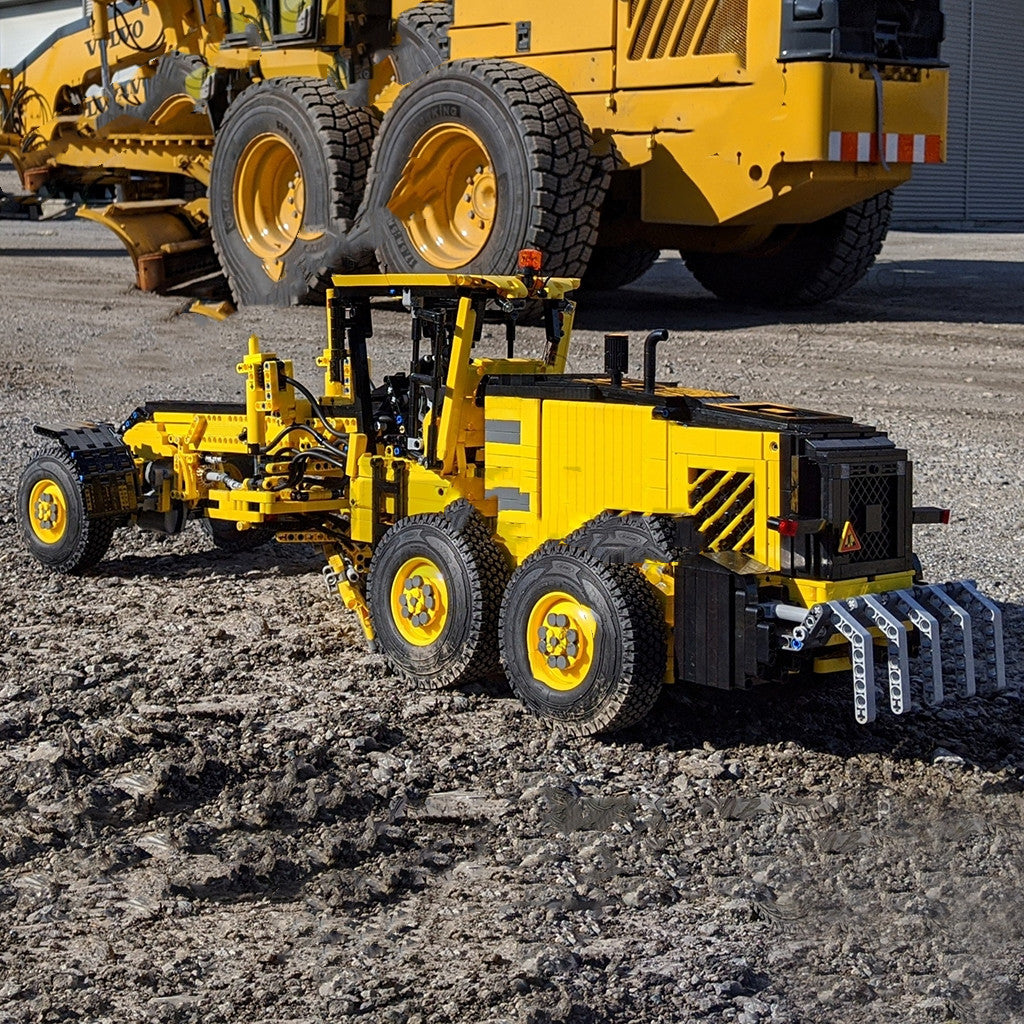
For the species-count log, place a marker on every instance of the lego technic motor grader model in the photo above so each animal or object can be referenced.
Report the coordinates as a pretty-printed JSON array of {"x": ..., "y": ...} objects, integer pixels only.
[{"x": 593, "y": 536}]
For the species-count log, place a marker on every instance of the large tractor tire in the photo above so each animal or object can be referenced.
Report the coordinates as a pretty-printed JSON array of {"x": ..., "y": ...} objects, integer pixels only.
[
  {"x": 54, "y": 520},
  {"x": 583, "y": 643},
  {"x": 422, "y": 39},
  {"x": 289, "y": 169},
  {"x": 434, "y": 592},
  {"x": 172, "y": 90},
  {"x": 476, "y": 160},
  {"x": 613, "y": 267},
  {"x": 801, "y": 264}
]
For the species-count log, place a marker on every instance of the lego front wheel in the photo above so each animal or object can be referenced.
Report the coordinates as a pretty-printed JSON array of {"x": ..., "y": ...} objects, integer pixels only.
[
  {"x": 583, "y": 643},
  {"x": 434, "y": 590},
  {"x": 53, "y": 518}
]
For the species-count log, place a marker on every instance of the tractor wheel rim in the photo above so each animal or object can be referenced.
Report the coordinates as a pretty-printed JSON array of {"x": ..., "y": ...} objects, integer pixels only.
[
  {"x": 560, "y": 638},
  {"x": 48, "y": 511},
  {"x": 447, "y": 196},
  {"x": 269, "y": 197},
  {"x": 419, "y": 601}
]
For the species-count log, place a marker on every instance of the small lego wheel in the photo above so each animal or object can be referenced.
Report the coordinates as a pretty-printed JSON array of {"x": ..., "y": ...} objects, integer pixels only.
[
  {"x": 53, "y": 518},
  {"x": 583, "y": 642}
]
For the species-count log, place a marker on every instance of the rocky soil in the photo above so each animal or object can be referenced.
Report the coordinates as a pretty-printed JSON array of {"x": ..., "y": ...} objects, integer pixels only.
[{"x": 216, "y": 806}]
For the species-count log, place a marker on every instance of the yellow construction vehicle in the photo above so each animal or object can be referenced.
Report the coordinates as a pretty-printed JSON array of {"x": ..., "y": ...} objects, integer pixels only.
[
  {"x": 602, "y": 536},
  {"x": 762, "y": 140}
]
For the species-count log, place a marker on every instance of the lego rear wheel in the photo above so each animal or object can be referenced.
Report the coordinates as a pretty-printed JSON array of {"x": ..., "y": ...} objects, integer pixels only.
[
  {"x": 434, "y": 590},
  {"x": 53, "y": 519},
  {"x": 583, "y": 643},
  {"x": 800, "y": 264}
]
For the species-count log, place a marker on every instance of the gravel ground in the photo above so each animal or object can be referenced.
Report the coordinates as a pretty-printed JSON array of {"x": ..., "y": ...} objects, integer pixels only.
[{"x": 216, "y": 806}]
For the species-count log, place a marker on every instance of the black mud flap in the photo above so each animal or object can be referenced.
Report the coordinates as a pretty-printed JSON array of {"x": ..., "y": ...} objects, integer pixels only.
[{"x": 104, "y": 464}]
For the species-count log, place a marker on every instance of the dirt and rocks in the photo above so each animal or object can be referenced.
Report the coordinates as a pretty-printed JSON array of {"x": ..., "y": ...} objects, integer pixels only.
[{"x": 216, "y": 806}]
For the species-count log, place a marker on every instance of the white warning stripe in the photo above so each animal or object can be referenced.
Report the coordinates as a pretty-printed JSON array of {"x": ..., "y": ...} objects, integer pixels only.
[{"x": 897, "y": 148}]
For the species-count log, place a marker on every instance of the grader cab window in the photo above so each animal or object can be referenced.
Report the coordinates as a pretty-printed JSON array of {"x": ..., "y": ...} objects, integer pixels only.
[{"x": 258, "y": 22}]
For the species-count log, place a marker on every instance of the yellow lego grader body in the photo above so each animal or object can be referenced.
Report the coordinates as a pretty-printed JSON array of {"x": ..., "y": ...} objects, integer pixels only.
[
  {"x": 595, "y": 537},
  {"x": 762, "y": 139}
]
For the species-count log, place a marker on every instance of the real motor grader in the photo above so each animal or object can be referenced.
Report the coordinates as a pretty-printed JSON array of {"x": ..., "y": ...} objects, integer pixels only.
[
  {"x": 600, "y": 536},
  {"x": 761, "y": 138}
]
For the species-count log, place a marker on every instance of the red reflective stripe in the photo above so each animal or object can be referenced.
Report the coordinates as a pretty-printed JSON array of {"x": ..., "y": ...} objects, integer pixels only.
[
  {"x": 933, "y": 149},
  {"x": 906, "y": 155},
  {"x": 849, "y": 150}
]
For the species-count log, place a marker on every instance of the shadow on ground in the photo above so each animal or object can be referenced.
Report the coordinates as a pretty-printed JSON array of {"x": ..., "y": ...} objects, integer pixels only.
[{"x": 951, "y": 291}]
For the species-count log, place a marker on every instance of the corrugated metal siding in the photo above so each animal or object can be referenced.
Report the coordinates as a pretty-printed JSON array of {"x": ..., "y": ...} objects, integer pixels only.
[
  {"x": 939, "y": 194},
  {"x": 995, "y": 179},
  {"x": 982, "y": 182}
]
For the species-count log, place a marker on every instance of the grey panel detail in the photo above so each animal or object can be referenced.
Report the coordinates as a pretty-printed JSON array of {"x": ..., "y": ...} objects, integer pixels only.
[
  {"x": 510, "y": 499},
  {"x": 503, "y": 432}
]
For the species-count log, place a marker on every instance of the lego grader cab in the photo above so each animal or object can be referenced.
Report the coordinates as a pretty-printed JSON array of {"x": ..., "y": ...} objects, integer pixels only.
[{"x": 594, "y": 537}]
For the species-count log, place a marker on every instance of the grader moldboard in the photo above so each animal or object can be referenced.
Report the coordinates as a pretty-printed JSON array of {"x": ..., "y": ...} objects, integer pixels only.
[{"x": 593, "y": 536}]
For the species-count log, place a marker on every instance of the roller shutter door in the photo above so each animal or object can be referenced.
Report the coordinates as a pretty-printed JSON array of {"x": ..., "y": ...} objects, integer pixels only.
[
  {"x": 939, "y": 194},
  {"x": 982, "y": 182},
  {"x": 995, "y": 172}
]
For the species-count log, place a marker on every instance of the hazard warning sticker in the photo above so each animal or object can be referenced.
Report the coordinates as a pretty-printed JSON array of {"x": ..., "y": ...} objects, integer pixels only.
[{"x": 849, "y": 542}]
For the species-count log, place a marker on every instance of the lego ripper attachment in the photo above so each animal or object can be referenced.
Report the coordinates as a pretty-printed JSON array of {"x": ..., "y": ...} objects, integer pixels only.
[{"x": 959, "y": 635}]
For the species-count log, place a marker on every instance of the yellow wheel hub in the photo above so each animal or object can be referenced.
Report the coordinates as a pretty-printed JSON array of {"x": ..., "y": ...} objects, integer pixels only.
[
  {"x": 560, "y": 635},
  {"x": 447, "y": 196},
  {"x": 419, "y": 601},
  {"x": 269, "y": 199},
  {"x": 48, "y": 511}
]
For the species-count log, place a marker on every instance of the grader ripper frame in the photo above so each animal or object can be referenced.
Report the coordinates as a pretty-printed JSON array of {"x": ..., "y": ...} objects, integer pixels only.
[
  {"x": 602, "y": 535},
  {"x": 761, "y": 138}
]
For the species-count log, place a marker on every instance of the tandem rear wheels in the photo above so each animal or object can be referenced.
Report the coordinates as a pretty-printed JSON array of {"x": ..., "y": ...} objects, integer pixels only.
[{"x": 583, "y": 643}]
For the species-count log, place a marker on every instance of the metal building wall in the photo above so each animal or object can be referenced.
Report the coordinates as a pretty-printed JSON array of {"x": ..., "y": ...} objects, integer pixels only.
[
  {"x": 26, "y": 23},
  {"x": 982, "y": 182}
]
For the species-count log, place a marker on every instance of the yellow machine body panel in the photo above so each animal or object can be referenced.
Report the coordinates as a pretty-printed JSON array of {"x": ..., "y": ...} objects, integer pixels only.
[{"x": 552, "y": 466}]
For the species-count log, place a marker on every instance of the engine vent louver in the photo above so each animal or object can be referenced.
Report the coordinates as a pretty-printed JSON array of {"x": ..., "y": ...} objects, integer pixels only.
[
  {"x": 723, "y": 505},
  {"x": 682, "y": 28}
]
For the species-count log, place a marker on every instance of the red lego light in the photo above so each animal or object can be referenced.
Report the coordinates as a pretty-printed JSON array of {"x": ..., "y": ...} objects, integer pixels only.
[
  {"x": 530, "y": 259},
  {"x": 789, "y": 527}
]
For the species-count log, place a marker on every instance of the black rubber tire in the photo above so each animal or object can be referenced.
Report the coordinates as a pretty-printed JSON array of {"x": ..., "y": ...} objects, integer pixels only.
[
  {"x": 613, "y": 267},
  {"x": 332, "y": 143},
  {"x": 85, "y": 540},
  {"x": 802, "y": 264},
  {"x": 630, "y": 647},
  {"x": 550, "y": 187},
  {"x": 475, "y": 573},
  {"x": 227, "y": 537},
  {"x": 422, "y": 39},
  {"x": 169, "y": 79}
]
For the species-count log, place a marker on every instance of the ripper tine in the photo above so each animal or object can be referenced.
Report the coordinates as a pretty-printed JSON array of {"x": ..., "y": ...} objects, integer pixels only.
[
  {"x": 988, "y": 627},
  {"x": 927, "y": 627},
  {"x": 863, "y": 658},
  {"x": 950, "y": 613},
  {"x": 897, "y": 652}
]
